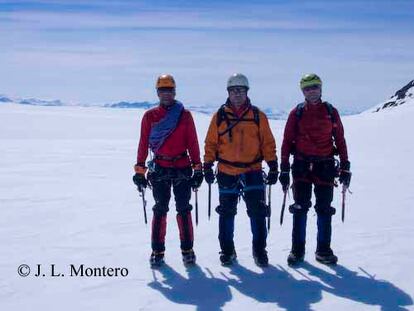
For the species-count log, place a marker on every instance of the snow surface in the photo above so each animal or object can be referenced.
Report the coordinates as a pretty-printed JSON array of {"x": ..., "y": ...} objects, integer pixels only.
[{"x": 66, "y": 197}]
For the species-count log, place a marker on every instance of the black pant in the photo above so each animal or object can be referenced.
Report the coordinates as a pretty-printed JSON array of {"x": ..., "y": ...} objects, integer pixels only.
[
  {"x": 251, "y": 187},
  {"x": 162, "y": 179},
  {"x": 302, "y": 192}
]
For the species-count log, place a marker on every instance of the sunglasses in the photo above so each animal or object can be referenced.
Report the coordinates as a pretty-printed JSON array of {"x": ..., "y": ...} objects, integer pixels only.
[
  {"x": 166, "y": 90},
  {"x": 237, "y": 90},
  {"x": 312, "y": 87}
]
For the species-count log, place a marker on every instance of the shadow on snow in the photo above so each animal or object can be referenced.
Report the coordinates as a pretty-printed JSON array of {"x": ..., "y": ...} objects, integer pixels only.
[
  {"x": 276, "y": 285},
  {"x": 204, "y": 292},
  {"x": 364, "y": 289}
]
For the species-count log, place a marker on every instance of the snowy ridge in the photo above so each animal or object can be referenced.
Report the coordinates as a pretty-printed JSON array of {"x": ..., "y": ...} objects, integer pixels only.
[{"x": 405, "y": 95}]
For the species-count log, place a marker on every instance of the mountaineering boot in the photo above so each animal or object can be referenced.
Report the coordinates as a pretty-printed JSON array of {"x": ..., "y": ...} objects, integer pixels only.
[
  {"x": 227, "y": 259},
  {"x": 226, "y": 233},
  {"x": 294, "y": 259},
  {"x": 260, "y": 258},
  {"x": 297, "y": 254},
  {"x": 156, "y": 259},
  {"x": 326, "y": 257},
  {"x": 189, "y": 257}
]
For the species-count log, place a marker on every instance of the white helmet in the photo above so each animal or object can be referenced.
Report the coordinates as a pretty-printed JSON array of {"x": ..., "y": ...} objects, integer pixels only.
[{"x": 237, "y": 79}]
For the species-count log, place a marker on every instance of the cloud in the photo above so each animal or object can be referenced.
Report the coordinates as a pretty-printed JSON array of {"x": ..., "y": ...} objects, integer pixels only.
[
  {"x": 203, "y": 19},
  {"x": 94, "y": 51}
]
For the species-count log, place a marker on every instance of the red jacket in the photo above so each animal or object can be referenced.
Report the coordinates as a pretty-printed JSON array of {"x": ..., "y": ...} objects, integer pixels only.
[
  {"x": 314, "y": 133},
  {"x": 182, "y": 139}
]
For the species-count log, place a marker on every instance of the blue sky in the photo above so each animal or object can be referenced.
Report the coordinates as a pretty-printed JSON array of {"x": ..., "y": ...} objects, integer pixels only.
[{"x": 105, "y": 51}]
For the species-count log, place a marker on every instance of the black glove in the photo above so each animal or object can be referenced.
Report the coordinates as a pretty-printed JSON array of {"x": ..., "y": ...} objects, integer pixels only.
[
  {"x": 271, "y": 178},
  {"x": 208, "y": 173},
  {"x": 345, "y": 173},
  {"x": 284, "y": 177},
  {"x": 139, "y": 178},
  {"x": 197, "y": 179},
  {"x": 140, "y": 181}
]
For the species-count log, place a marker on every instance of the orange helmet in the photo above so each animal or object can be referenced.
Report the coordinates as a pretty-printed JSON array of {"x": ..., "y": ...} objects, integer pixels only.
[{"x": 165, "y": 80}]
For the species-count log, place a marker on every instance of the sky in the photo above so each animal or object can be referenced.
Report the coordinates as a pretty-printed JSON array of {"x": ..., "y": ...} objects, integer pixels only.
[{"x": 93, "y": 51}]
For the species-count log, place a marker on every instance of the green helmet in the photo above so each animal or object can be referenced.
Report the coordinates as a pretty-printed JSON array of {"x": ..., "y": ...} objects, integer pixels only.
[{"x": 309, "y": 80}]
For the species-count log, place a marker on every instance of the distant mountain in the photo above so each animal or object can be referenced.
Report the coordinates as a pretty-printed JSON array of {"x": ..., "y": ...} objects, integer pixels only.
[
  {"x": 124, "y": 104},
  {"x": 272, "y": 113},
  {"x": 405, "y": 95},
  {"x": 4, "y": 99},
  {"x": 349, "y": 111},
  {"x": 275, "y": 114},
  {"x": 31, "y": 101},
  {"x": 39, "y": 102},
  {"x": 148, "y": 105}
]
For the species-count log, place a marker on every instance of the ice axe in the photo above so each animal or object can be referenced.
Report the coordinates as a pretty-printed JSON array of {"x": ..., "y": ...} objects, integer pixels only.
[
  {"x": 209, "y": 201},
  {"x": 141, "y": 191},
  {"x": 196, "y": 204},
  {"x": 269, "y": 205},
  {"x": 282, "y": 212},
  {"x": 344, "y": 190}
]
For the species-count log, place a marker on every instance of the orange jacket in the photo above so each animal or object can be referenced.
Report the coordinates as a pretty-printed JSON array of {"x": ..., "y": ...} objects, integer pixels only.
[{"x": 249, "y": 142}]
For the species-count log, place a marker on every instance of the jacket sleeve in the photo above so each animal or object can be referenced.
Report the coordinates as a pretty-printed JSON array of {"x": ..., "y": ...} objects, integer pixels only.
[
  {"x": 211, "y": 141},
  {"x": 267, "y": 141},
  {"x": 288, "y": 137},
  {"x": 144, "y": 139},
  {"x": 192, "y": 141},
  {"x": 339, "y": 137}
]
